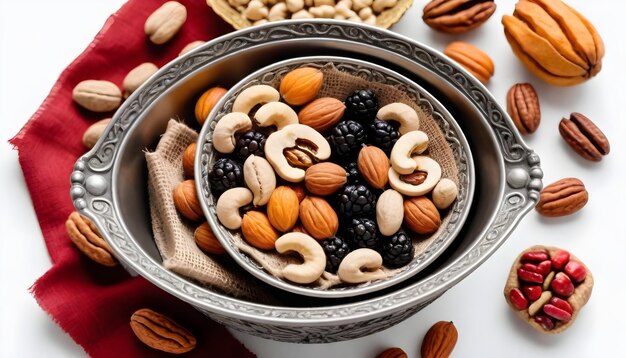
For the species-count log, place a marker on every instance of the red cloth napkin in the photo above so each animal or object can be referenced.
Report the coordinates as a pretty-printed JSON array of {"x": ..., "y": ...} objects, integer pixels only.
[{"x": 91, "y": 302}]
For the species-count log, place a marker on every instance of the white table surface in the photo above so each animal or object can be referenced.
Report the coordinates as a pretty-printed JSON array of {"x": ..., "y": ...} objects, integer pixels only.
[{"x": 487, "y": 327}]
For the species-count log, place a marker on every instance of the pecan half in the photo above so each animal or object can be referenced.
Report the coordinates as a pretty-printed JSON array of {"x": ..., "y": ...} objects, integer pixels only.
[
  {"x": 563, "y": 197},
  {"x": 161, "y": 332},
  {"x": 522, "y": 104},
  {"x": 85, "y": 235},
  {"x": 584, "y": 137},
  {"x": 457, "y": 16}
]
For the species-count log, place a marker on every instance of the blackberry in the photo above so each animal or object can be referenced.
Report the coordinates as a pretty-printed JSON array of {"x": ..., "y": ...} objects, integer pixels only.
[
  {"x": 226, "y": 174},
  {"x": 398, "y": 250},
  {"x": 364, "y": 233},
  {"x": 356, "y": 201},
  {"x": 250, "y": 142},
  {"x": 383, "y": 134},
  {"x": 347, "y": 137},
  {"x": 353, "y": 173},
  {"x": 335, "y": 249},
  {"x": 362, "y": 105}
]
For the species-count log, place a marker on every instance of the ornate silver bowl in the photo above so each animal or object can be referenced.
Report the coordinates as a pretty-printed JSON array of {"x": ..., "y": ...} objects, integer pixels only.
[
  {"x": 108, "y": 184},
  {"x": 430, "y": 248}
]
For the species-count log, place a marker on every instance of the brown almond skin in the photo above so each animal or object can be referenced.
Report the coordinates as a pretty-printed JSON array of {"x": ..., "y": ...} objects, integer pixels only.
[
  {"x": 258, "y": 231},
  {"x": 476, "y": 61},
  {"x": 207, "y": 101},
  {"x": 440, "y": 340},
  {"x": 85, "y": 235},
  {"x": 584, "y": 137},
  {"x": 301, "y": 85},
  {"x": 161, "y": 332},
  {"x": 421, "y": 215},
  {"x": 322, "y": 113},
  {"x": 206, "y": 240},
  {"x": 324, "y": 178},
  {"x": 522, "y": 104},
  {"x": 189, "y": 155},
  {"x": 563, "y": 197},
  {"x": 318, "y": 218},
  {"x": 457, "y": 16},
  {"x": 394, "y": 352},
  {"x": 374, "y": 166},
  {"x": 186, "y": 200},
  {"x": 283, "y": 208}
]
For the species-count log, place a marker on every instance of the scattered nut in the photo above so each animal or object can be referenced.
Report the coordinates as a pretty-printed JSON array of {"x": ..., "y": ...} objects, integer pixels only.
[
  {"x": 165, "y": 22},
  {"x": 97, "y": 96},
  {"x": 94, "y": 132},
  {"x": 301, "y": 85},
  {"x": 522, "y": 104},
  {"x": 283, "y": 208},
  {"x": 401, "y": 113},
  {"x": 225, "y": 129},
  {"x": 257, "y": 230},
  {"x": 322, "y": 11},
  {"x": 137, "y": 76},
  {"x": 455, "y": 17},
  {"x": 189, "y": 156},
  {"x": 318, "y": 217},
  {"x": 563, "y": 197},
  {"x": 190, "y": 46},
  {"x": 414, "y": 142},
  {"x": 392, "y": 353},
  {"x": 361, "y": 265},
  {"x": 439, "y": 341},
  {"x": 259, "y": 177},
  {"x": 207, "y": 102},
  {"x": 206, "y": 240},
  {"x": 228, "y": 205},
  {"x": 324, "y": 178},
  {"x": 186, "y": 200},
  {"x": 302, "y": 14},
  {"x": 584, "y": 137},
  {"x": 87, "y": 238},
  {"x": 275, "y": 114},
  {"x": 253, "y": 96},
  {"x": 161, "y": 332},
  {"x": 474, "y": 60},
  {"x": 444, "y": 193},
  {"x": 311, "y": 252},
  {"x": 421, "y": 215},
  {"x": 389, "y": 212}
]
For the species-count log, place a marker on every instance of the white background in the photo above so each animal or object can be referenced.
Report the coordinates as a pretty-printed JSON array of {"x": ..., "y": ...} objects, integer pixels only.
[{"x": 487, "y": 327}]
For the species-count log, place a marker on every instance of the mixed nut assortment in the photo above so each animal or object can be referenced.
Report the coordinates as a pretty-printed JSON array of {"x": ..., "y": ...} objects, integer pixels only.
[{"x": 295, "y": 167}]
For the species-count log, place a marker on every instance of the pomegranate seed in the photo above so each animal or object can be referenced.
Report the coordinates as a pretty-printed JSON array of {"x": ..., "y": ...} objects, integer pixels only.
[
  {"x": 545, "y": 321},
  {"x": 556, "y": 313},
  {"x": 530, "y": 267},
  {"x": 544, "y": 267},
  {"x": 562, "y": 285},
  {"x": 562, "y": 304},
  {"x": 535, "y": 256},
  {"x": 517, "y": 299},
  {"x": 529, "y": 276},
  {"x": 576, "y": 271},
  {"x": 560, "y": 259},
  {"x": 532, "y": 292}
]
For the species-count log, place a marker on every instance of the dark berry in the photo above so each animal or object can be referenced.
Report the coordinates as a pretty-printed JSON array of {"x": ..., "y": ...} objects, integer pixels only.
[
  {"x": 362, "y": 105},
  {"x": 335, "y": 249},
  {"x": 347, "y": 138},
  {"x": 383, "y": 134},
  {"x": 353, "y": 173},
  {"x": 397, "y": 250},
  {"x": 356, "y": 201},
  {"x": 363, "y": 233},
  {"x": 250, "y": 142},
  {"x": 226, "y": 174}
]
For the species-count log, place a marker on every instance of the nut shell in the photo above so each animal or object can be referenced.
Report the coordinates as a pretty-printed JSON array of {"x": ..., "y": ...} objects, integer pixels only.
[
  {"x": 522, "y": 104},
  {"x": 324, "y": 178},
  {"x": 563, "y": 197},
  {"x": 322, "y": 113},
  {"x": 301, "y": 85},
  {"x": 161, "y": 332},
  {"x": 421, "y": 215},
  {"x": 318, "y": 217},
  {"x": 186, "y": 200},
  {"x": 94, "y": 132},
  {"x": 584, "y": 137},
  {"x": 85, "y": 235},
  {"x": 257, "y": 230},
  {"x": 283, "y": 208},
  {"x": 457, "y": 16},
  {"x": 472, "y": 59},
  {"x": 374, "y": 166}
]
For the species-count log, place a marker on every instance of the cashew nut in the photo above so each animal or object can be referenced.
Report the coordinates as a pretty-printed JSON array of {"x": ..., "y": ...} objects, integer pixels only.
[
  {"x": 238, "y": 3},
  {"x": 312, "y": 255},
  {"x": 379, "y": 5},
  {"x": 254, "y": 95},
  {"x": 302, "y": 14},
  {"x": 275, "y": 114},
  {"x": 365, "y": 12},
  {"x": 414, "y": 142},
  {"x": 278, "y": 12},
  {"x": 295, "y": 5},
  {"x": 357, "y": 5},
  {"x": 339, "y": 17},
  {"x": 269, "y": 2},
  {"x": 259, "y": 177},
  {"x": 355, "y": 18},
  {"x": 401, "y": 113},
  {"x": 426, "y": 168},
  {"x": 323, "y": 11},
  {"x": 319, "y": 3},
  {"x": 350, "y": 268},
  {"x": 308, "y": 3},
  {"x": 225, "y": 129},
  {"x": 370, "y": 20},
  {"x": 256, "y": 10},
  {"x": 343, "y": 9},
  {"x": 389, "y": 212},
  {"x": 305, "y": 140},
  {"x": 260, "y": 22},
  {"x": 228, "y": 204},
  {"x": 444, "y": 193}
]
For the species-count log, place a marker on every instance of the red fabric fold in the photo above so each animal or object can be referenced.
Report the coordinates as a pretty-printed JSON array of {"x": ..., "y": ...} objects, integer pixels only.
[{"x": 92, "y": 303}]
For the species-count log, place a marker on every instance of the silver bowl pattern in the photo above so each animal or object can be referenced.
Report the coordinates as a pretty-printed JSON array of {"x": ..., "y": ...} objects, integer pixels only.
[
  {"x": 372, "y": 73},
  {"x": 108, "y": 183}
]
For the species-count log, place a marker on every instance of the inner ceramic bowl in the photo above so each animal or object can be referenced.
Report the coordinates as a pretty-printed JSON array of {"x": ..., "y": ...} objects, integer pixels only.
[{"x": 447, "y": 145}]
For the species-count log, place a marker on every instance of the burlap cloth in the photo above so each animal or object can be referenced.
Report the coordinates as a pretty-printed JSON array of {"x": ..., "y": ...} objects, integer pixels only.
[{"x": 174, "y": 236}]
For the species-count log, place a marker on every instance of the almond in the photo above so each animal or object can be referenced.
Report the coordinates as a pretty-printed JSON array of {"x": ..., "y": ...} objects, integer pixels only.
[
  {"x": 189, "y": 156},
  {"x": 206, "y": 240},
  {"x": 324, "y": 178},
  {"x": 374, "y": 166},
  {"x": 186, "y": 200},
  {"x": 257, "y": 230},
  {"x": 283, "y": 208},
  {"x": 322, "y": 113},
  {"x": 421, "y": 215},
  {"x": 206, "y": 102},
  {"x": 394, "y": 352},
  {"x": 440, "y": 340},
  {"x": 301, "y": 85},
  {"x": 318, "y": 217}
]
